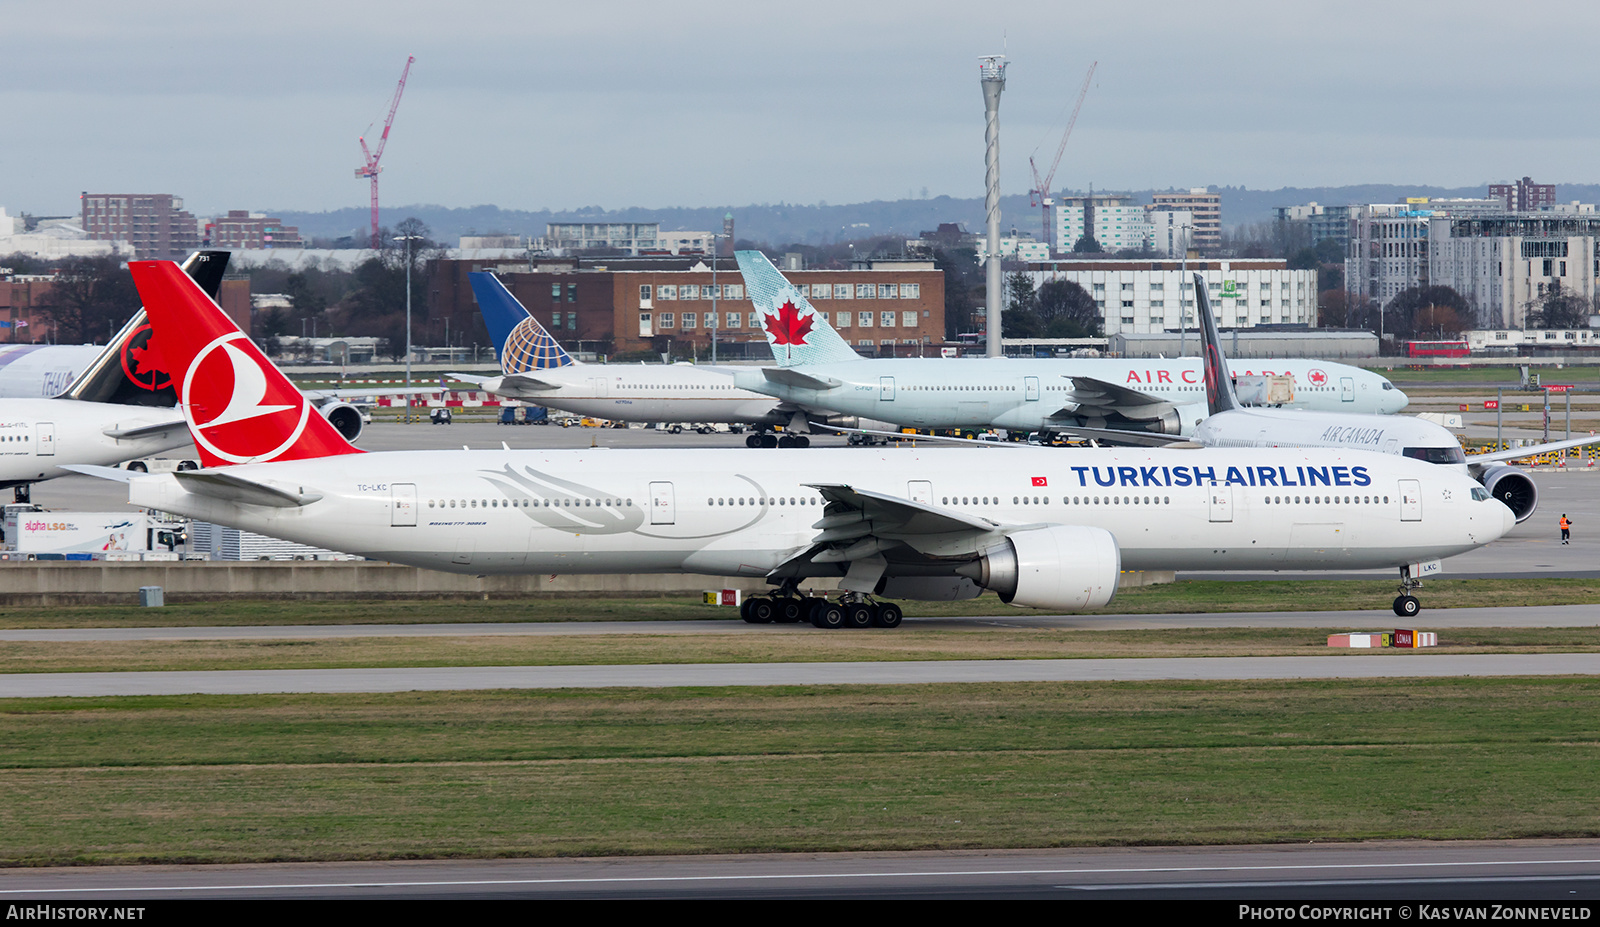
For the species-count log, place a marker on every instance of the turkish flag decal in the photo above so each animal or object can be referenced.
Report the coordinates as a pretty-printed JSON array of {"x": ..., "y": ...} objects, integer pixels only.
[{"x": 1040, "y": 481}]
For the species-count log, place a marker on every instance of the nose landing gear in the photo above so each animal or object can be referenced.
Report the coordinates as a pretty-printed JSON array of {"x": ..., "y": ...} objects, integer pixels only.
[{"x": 1406, "y": 604}]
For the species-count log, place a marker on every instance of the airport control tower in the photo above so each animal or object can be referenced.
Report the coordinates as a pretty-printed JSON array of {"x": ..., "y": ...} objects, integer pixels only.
[{"x": 992, "y": 76}]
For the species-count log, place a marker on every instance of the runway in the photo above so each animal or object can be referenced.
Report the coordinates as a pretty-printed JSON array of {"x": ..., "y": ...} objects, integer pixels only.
[
  {"x": 1563, "y": 873},
  {"x": 1390, "y": 665}
]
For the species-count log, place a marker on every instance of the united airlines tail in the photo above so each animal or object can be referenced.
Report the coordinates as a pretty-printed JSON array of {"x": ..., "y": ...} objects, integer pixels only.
[
  {"x": 1219, "y": 384},
  {"x": 240, "y": 408},
  {"x": 797, "y": 333},
  {"x": 520, "y": 341},
  {"x": 131, "y": 370}
]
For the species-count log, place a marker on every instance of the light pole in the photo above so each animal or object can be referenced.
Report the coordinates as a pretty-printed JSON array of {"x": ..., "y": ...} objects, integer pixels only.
[
  {"x": 716, "y": 320},
  {"x": 408, "y": 239}
]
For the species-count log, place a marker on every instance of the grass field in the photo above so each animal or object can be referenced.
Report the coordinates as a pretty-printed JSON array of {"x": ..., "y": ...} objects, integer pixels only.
[
  {"x": 774, "y": 645},
  {"x": 1189, "y": 597},
  {"x": 818, "y": 768}
]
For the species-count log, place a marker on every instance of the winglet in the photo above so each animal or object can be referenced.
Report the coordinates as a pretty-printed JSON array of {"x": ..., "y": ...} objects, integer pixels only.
[
  {"x": 796, "y": 332},
  {"x": 1219, "y": 385},
  {"x": 240, "y": 408},
  {"x": 521, "y": 342}
]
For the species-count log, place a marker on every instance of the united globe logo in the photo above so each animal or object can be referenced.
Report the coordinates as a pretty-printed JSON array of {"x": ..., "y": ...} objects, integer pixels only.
[{"x": 530, "y": 347}]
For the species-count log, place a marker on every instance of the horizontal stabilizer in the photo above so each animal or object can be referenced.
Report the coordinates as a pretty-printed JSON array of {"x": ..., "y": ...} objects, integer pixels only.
[
  {"x": 797, "y": 380},
  {"x": 1129, "y": 438},
  {"x": 147, "y": 431},
  {"x": 220, "y": 484},
  {"x": 116, "y": 474}
]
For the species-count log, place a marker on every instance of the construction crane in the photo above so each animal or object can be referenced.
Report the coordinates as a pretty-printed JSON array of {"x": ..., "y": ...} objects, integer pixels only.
[
  {"x": 1040, "y": 194},
  {"x": 372, "y": 168}
]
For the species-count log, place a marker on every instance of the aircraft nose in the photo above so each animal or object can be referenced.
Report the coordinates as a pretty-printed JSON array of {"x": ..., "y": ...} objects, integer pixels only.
[{"x": 1510, "y": 519}]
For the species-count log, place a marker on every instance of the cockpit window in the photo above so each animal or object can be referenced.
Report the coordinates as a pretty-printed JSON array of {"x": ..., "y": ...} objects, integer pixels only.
[
  {"x": 1479, "y": 494},
  {"x": 1438, "y": 455},
  {"x": 1388, "y": 385}
]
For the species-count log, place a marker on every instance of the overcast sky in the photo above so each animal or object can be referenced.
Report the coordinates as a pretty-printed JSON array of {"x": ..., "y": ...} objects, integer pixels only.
[{"x": 535, "y": 105}]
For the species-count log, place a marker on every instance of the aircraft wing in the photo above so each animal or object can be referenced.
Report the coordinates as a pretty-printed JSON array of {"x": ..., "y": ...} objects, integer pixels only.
[
  {"x": 220, "y": 484},
  {"x": 368, "y": 391},
  {"x": 1088, "y": 391},
  {"x": 145, "y": 431},
  {"x": 1521, "y": 452}
]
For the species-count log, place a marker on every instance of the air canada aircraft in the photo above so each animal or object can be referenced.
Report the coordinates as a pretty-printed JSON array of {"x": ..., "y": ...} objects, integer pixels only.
[
  {"x": 1230, "y": 424},
  {"x": 534, "y": 367},
  {"x": 1040, "y": 527},
  {"x": 120, "y": 407},
  {"x": 817, "y": 369}
]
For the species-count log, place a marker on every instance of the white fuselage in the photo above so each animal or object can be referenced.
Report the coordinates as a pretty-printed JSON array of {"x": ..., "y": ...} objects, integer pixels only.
[
  {"x": 730, "y": 512},
  {"x": 647, "y": 393},
  {"x": 1386, "y": 434},
  {"x": 39, "y": 436},
  {"x": 1033, "y": 394},
  {"x": 39, "y": 371}
]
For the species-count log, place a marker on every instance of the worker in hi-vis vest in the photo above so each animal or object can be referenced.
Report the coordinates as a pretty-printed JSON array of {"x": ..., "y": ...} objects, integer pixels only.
[{"x": 1566, "y": 528}]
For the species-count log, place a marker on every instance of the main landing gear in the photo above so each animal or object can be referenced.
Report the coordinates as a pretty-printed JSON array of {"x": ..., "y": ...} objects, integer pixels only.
[
  {"x": 1406, "y": 604},
  {"x": 766, "y": 439},
  {"x": 852, "y": 610}
]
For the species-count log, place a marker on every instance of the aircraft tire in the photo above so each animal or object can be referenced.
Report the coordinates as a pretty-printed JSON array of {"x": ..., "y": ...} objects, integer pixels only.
[
  {"x": 1407, "y": 606},
  {"x": 138, "y": 466},
  {"x": 802, "y": 441},
  {"x": 675, "y": 429},
  {"x": 859, "y": 615},
  {"x": 753, "y": 441},
  {"x": 828, "y": 617},
  {"x": 762, "y": 611},
  {"x": 769, "y": 441},
  {"x": 790, "y": 611},
  {"x": 888, "y": 615}
]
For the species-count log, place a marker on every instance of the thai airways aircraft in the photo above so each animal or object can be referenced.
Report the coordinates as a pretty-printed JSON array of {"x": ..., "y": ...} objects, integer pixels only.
[
  {"x": 817, "y": 369},
  {"x": 1230, "y": 424},
  {"x": 536, "y": 368},
  {"x": 1042, "y": 528},
  {"x": 121, "y": 407}
]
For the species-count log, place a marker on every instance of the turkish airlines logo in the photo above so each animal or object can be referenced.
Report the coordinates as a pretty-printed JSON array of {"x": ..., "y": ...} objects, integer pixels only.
[
  {"x": 251, "y": 426},
  {"x": 142, "y": 364}
]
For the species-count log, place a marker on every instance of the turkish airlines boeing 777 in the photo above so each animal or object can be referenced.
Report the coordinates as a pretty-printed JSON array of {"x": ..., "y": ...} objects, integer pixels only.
[{"x": 1041, "y": 527}]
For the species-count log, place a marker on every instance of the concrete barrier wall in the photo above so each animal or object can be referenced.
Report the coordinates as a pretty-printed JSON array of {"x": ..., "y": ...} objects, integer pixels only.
[{"x": 102, "y": 583}]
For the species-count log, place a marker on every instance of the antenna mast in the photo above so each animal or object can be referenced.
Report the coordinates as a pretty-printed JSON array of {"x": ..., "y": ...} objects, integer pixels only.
[{"x": 371, "y": 168}]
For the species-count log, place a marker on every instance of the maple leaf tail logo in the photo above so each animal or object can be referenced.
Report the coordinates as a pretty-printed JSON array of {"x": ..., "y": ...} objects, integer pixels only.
[{"x": 787, "y": 327}]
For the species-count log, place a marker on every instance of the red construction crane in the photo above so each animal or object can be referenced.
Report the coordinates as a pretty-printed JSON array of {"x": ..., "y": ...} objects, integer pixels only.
[
  {"x": 1040, "y": 194},
  {"x": 371, "y": 169}
]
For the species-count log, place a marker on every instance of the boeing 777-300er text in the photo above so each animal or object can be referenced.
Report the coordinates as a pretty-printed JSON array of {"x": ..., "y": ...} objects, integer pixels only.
[
  {"x": 534, "y": 367},
  {"x": 1230, "y": 424},
  {"x": 818, "y": 369},
  {"x": 1042, "y": 528}
]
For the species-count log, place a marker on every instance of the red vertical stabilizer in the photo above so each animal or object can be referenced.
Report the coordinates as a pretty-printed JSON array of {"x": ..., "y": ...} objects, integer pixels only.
[{"x": 240, "y": 408}]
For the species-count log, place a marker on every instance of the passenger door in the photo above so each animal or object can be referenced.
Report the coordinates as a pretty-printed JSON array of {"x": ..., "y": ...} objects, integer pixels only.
[
  {"x": 1030, "y": 389},
  {"x": 1410, "y": 500},
  {"x": 47, "y": 439},
  {"x": 663, "y": 507},
  {"x": 1347, "y": 389},
  {"x": 1222, "y": 503},
  {"x": 403, "y": 505},
  {"x": 920, "y": 491},
  {"x": 886, "y": 389}
]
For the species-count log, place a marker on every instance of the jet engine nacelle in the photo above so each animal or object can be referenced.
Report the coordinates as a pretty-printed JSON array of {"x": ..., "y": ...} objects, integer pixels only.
[
  {"x": 820, "y": 422},
  {"x": 344, "y": 417},
  {"x": 1063, "y": 567},
  {"x": 1513, "y": 487}
]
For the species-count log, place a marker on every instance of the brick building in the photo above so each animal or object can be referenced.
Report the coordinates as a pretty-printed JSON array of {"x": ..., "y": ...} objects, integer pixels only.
[
  {"x": 246, "y": 230},
  {"x": 623, "y": 307},
  {"x": 154, "y": 223}
]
